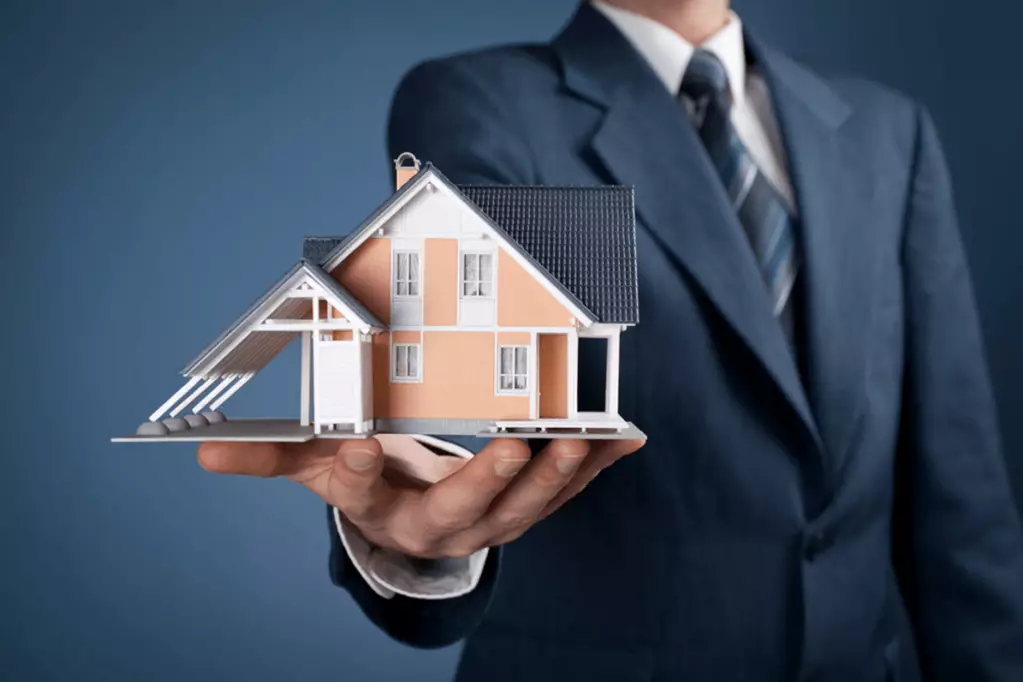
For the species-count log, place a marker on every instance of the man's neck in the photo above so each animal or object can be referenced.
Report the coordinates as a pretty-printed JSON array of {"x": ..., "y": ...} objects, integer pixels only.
[{"x": 694, "y": 20}]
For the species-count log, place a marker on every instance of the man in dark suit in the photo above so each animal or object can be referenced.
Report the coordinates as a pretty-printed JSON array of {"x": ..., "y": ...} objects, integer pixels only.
[{"x": 822, "y": 496}]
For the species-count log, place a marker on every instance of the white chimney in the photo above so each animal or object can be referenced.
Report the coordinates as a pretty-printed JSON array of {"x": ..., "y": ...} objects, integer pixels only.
[{"x": 405, "y": 166}]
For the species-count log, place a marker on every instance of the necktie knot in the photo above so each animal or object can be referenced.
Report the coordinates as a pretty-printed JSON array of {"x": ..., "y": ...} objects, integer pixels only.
[{"x": 706, "y": 77}]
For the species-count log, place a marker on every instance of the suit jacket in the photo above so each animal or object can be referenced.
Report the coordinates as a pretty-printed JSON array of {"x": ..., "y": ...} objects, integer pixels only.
[{"x": 850, "y": 519}]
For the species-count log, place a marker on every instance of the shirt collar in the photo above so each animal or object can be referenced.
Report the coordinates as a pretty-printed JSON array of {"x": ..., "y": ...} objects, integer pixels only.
[{"x": 668, "y": 53}]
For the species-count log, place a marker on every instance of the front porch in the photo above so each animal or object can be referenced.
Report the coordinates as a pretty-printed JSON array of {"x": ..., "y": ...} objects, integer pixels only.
[{"x": 584, "y": 425}]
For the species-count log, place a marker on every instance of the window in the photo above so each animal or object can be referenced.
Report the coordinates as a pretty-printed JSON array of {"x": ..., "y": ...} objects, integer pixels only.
[
  {"x": 477, "y": 275},
  {"x": 512, "y": 369},
  {"x": 405, "y": 362},
  {"x": 406, "y": 274}
]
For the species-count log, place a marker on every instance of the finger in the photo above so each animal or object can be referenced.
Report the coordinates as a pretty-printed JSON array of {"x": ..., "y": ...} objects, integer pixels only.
[
  {"x": 415, "y": 461},
  {"x": 604, "y": 455},
  {"x": 460, "y": 500},
  {"x": 521, "y": 504},
  {"x": 261, "y": 459},
  {"x": 356, "y": 485}
]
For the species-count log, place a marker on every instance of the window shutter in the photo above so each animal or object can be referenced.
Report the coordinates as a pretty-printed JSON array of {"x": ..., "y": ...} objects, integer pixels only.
[
  {"x": 413, "y": 270},
  {"x": 401, "y": 361}
]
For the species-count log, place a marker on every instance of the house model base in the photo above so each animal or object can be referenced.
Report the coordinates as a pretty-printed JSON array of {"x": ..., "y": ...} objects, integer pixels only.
[
  {"x": 452, "y": 310},
  {"x": 284, "y": 431}
]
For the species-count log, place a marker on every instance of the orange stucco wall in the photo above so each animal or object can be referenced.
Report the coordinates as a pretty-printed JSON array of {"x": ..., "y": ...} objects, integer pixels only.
[
  {"x": 366, "y": 274},
  {"x": 458, "y": 367},
  {"x": 458, "y": 380},
  {"x": 513, "y": 338},
  {"x": 522, "y": 301},
  {"x": 440, "y": 282},
  {"x": 553, "y": 371}
]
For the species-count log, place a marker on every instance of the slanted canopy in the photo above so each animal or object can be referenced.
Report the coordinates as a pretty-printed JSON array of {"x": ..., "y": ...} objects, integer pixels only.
[
  {"x": 276, "y": 318},
  {"x": 271, "y": 323}
]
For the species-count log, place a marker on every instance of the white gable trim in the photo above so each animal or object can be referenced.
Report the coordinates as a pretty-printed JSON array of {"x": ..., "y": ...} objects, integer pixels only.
[
  {"x": 428, "y": 180},
  {"x": 292, "y": 287},
  {"x": 419, "y": 183}
]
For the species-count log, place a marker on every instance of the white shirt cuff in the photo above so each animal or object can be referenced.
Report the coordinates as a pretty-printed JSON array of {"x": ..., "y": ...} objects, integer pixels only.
[{"x": 388, "y": 572}]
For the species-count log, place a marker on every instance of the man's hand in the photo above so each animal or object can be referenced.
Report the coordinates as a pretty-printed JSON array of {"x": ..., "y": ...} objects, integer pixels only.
[{"x": 486, "y": 501}]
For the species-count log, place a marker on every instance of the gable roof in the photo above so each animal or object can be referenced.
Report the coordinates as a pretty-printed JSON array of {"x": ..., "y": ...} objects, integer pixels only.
[
  {"x": 582, "y": 240},
  {"x": 316, "y": 249},
  {"x": 584, "y": 236},
  {"x": 423, "y": 179},
  {"x": 347, "y": 303}
]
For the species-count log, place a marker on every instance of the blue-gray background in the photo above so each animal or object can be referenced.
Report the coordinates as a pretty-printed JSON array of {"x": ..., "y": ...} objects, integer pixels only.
[{"x": 159, "y": 163}]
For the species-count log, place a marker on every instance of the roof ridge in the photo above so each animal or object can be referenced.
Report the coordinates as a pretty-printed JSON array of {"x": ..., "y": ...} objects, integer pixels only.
[{"x": 548, "y": 187}]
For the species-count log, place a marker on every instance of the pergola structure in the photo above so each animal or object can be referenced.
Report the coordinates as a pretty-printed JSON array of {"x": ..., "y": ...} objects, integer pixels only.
[{"x": 336, "y": 332}]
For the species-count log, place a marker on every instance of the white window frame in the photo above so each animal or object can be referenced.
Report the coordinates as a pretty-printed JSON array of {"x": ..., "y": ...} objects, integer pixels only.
[
  {"x": 408, "y": 378},
  {"x": 396, "y": 280},
  {"x": 500, "y": 374},
  {"x": 479, "y": 281}
]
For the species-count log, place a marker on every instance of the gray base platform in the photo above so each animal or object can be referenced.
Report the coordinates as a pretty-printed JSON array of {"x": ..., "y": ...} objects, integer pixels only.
[
  {"x": 629, "y": 432},
  {"x": 241, "y": 430},
  {"x": 290, "y": 431}
]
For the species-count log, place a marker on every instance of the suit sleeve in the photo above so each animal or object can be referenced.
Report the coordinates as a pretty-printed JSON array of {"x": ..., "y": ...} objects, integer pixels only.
[
  {"x": 445, "y": 114},
  {"x": 448, "y": 116},
  {"x": 957, "y": 544}
]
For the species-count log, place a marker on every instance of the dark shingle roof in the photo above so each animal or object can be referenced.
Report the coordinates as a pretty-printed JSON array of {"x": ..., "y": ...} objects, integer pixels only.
[
  {"x": 584, "y": 236},
  {"x": 316, "y": 249}
]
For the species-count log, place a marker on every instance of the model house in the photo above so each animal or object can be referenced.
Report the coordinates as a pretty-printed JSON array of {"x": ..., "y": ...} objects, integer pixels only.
[{"x": 450, "y": 310}]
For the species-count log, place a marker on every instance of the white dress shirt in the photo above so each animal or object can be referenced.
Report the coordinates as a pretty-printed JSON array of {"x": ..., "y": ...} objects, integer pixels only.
[
  {"x": 668, "y": 54},
  {"x": 753, "y": 117}
]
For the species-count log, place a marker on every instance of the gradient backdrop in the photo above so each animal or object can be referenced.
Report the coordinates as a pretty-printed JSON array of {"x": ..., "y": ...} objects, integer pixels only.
[{"x": 159, "y": 164}]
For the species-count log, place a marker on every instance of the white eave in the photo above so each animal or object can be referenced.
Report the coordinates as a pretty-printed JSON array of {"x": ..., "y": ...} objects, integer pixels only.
[{"x": 256, "y": 337}]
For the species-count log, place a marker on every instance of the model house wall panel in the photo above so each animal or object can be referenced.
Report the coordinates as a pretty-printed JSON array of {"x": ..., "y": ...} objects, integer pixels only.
[
  {"x": 337, "y": 384},
  {"x": 441, "y": 282},
  {"x": 430, "y": 212},
  {"x": 406, "y": 337},
  {"x": 366, "y": 274},
  {"x": 457, "y": 381},
  {"x": 513, "y": 338},
  {"x": 522, "y": 301},
  {"x": 381, "y": 352},
  {"x": 553, "y": 375}
]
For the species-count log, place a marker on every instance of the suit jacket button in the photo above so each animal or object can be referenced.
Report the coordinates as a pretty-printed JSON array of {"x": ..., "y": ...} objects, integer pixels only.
[{"x": 814, "y": 545}]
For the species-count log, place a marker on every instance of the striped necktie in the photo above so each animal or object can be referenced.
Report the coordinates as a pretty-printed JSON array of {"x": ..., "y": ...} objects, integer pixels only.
[{"x": 764, "y": 215}]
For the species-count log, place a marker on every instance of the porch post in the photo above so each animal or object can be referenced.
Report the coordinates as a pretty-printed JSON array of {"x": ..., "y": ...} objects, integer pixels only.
[
  {"x": 307, "y": 378},
  {"x": 573, "y": 373},
  {"x": 533, "y": 376},
  {"x": 611, "y": 389},
  {"x": 359, "y": 378},
  {"x": 317, "y": 426}
]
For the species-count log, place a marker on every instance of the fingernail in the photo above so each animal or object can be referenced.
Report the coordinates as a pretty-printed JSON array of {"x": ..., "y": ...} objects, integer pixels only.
[
  {"x": 360, "y": 460},
  {"x": 506, "y": 468},
  {"x": 566, "y": 464}
]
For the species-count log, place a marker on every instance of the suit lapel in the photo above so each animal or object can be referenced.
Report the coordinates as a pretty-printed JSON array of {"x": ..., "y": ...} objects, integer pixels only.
[
  {"x": 645, "y": 141},
  {"x": 836, "y": 244}
]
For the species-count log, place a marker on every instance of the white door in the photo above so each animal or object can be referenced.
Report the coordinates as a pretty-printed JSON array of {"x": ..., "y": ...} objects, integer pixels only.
[{"x": 337, "y": 384}]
